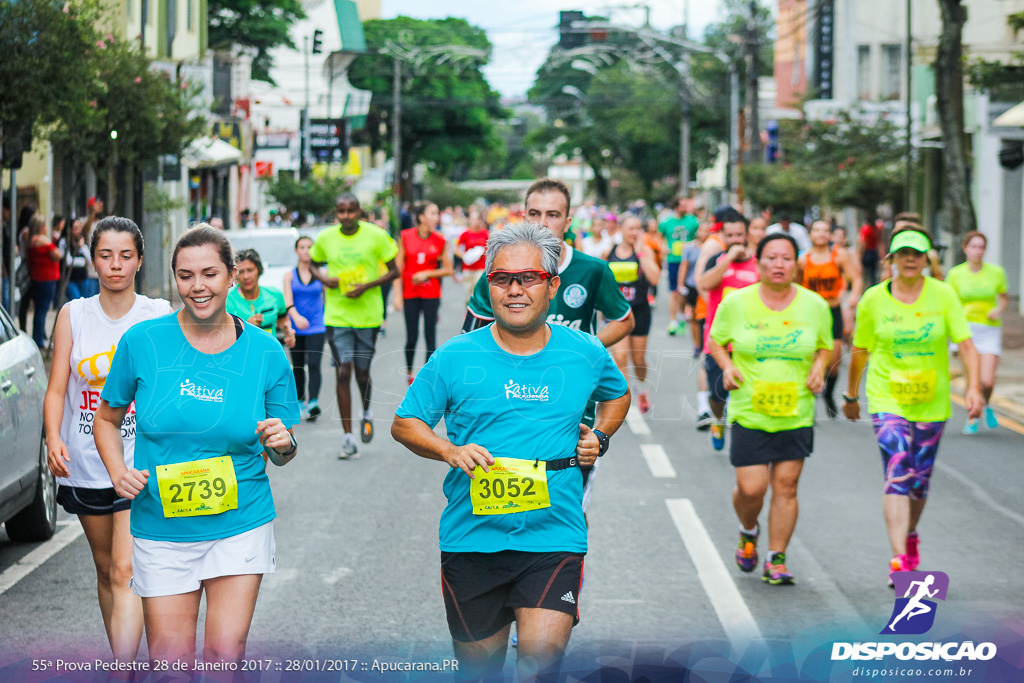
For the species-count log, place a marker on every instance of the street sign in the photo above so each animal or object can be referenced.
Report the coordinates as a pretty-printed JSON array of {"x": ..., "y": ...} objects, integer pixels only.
[{"x": 327, "y": 139}]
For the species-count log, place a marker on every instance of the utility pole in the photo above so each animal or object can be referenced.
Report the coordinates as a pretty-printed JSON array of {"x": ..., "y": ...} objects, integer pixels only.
[
  {"x": 684, "y": 124},
  {"x": 754, "y": 153},
  {"x": 909, "y": 151},
  {"x": 396, "y": 132},
  {"x": 304, "y": 160}
]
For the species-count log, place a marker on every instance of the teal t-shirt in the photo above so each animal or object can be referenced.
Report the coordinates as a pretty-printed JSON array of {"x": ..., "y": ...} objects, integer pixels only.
[
  {"x": 524, "y": 407},
  {"x": 193, "y": 406},
  {"x": 677, "y": 232},
  {"x": 270, "y": 303}
]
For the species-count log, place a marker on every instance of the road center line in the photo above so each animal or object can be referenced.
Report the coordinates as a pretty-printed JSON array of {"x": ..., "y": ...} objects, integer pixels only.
[
  {"x": 657, "y": 460},
  {"x": 37, "y": 557},
  {"x": 732, "y": 611},
  {"x": 636, "y": 422},
  {"x": 980, "y": 493}
]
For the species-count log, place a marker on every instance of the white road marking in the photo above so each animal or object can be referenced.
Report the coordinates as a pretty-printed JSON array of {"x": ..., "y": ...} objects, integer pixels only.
[
  {"x": 729, "y": 605},
  {"x": 657, "y": 460},
  {"x": 337, "y": 575},
  {"x": 636, "y": 422},
  {"x": 842, "y": 610},
  {"x": 980, "y": 493},
  {"x": 26, "y": 565}
]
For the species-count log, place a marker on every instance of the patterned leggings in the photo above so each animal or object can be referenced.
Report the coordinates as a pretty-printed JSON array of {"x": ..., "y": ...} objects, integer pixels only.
[{"x": 908, "y": 453}]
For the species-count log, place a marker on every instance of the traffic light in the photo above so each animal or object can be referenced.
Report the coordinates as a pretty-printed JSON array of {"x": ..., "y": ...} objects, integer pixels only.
[
  {"x": 568, "y": 38},
  {"x": 318, "y": 41}
]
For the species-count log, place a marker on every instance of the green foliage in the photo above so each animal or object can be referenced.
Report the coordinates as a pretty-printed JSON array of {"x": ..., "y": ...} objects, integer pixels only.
[
  {"x": 315, "y": 196},
  {"x": 448, "y": 108},
  {"x": 42, "y": 43},
  {"x": 257, "y": 25},
  {"x": 151, "y": 112},
  {"x": 848, "y": 162},
  {"x": 443, "y": 192}
]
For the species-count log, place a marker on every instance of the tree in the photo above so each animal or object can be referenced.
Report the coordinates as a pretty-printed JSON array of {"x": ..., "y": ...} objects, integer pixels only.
[
  {"x": 315, "y": 196},
  {"x": 949, "y": 93},
  {"x": 848, "y": 162},
  {"x": 258, "y": 26},
  {"x": 448, "y": 107},
  {"x": 42, "y": 42}
]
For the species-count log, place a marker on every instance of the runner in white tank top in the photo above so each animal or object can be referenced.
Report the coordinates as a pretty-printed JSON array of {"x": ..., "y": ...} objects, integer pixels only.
[{"x": 88, "y": 332}]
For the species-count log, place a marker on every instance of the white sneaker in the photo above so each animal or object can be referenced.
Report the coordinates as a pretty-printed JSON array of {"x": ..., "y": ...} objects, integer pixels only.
[{"x": 348, "y": 449}]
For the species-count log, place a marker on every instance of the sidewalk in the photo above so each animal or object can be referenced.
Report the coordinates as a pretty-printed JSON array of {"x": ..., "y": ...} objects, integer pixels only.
[{"x": 1008, "y": 399}]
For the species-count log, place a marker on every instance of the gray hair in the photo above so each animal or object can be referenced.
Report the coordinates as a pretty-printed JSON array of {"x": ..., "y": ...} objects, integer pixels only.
[{"x": 526, "y": 233}]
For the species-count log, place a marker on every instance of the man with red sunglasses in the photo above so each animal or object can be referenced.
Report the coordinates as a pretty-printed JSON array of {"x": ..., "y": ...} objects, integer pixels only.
[{"x": 513, "y": 534}]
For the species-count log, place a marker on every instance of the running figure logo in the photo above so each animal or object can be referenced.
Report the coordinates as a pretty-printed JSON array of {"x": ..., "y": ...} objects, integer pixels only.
[{"x": 914, "y": 613}]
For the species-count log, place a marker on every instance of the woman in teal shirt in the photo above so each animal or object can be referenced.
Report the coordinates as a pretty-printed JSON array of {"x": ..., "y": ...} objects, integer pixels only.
[
  {"x": 263, "y": 307},
  {"x": 214, "y": 400}
]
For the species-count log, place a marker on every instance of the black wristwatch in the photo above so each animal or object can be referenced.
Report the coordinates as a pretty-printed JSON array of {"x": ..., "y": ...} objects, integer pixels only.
[
  {"x": 850, "y": 399},
  {"x": 295, "y": 445},
  {"x": 604, "y": 440}
]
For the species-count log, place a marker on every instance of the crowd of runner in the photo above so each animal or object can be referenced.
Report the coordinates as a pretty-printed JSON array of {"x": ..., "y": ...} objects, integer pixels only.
[{"x": 174, "y": 496}]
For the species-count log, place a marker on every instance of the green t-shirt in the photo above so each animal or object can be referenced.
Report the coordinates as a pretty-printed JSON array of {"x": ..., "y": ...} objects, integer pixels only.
[
  {"x": 979, "y": 292},
  {"x": 677, "y": 232},
  {"x": 270, "y": 303},
  {"x": 908, "y": 372},
  {"x": 587, "y": 285},
  {"x": 353, "y": 259},
  {"x": 774, "y": 352}
]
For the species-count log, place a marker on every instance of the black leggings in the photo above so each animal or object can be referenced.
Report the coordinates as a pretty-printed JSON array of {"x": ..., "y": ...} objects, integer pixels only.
[
  {"x": 413, "y": 308},
  {"x": 308, "y": 352}
]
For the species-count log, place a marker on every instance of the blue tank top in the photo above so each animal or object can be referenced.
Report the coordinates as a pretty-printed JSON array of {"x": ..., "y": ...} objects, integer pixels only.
[{"x": 309, "y": 302}]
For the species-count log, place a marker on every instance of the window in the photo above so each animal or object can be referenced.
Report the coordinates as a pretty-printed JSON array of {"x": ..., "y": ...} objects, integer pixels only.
[
  {"x": 188, "y": 14},
  {"x": 864, "y": 72},
  {"x": 892, "y": 60},
  {"x": 129, "y": 10}
]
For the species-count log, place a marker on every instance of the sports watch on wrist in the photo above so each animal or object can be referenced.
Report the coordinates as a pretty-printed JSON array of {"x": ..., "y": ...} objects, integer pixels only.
[
  {"x": 850, "y": 399},
  {"x": 292, "y": 449},
  {"x": 604, "y": 440}
]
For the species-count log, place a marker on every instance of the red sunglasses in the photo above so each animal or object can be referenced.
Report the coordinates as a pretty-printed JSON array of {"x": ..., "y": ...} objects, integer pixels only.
[{"x": 525, "y": 278}]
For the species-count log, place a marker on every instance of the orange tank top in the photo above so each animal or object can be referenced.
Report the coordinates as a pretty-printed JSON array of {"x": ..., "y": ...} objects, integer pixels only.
[{"x": 824, "y": 279}]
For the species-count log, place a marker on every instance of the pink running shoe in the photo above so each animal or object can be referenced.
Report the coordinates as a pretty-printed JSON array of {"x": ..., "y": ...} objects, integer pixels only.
[
  {"x": 913, "y": 556},
  {"x": 898, "y": 564}
]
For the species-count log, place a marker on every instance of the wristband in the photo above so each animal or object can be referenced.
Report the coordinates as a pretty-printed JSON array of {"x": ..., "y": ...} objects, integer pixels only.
[
  {"x": 289, "y": 308},
  {"x": 604, "y": 440},
  {"x": 285, "y": 454},
  {"x": 850, "y": 399}
]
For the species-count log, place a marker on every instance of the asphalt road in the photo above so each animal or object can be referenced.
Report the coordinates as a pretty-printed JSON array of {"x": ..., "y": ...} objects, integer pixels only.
[{"x": 357, "y": 557}]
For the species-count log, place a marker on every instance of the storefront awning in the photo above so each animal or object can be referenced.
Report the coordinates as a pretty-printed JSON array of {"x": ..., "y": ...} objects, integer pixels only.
[
  {"x": 207, "y": 152},
  {"x": 1011, "y": 118}
]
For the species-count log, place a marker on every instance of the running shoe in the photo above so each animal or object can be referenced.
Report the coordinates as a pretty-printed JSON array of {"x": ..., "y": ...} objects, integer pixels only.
[
  {"x": 303, "y": 410},
  {"x": 913, "y": 555},
  {"x": 515, "y": 636},
  {"x": 830, "y": 406},
  {"x": 645, "y": 403},
  {"x": 704, "y": 421},
  {"x": 366, "y": 430},
  {"x": 990, "y": 418},
  {"x": 746, "y": 552},
  {"x": 775, "y": 573},
  {"x": 971, "y": 427},
  {"x": 717, "y": 435},
  {"x": 898, "y": 563},
  {"x": 349, "y": 450},
  {"x": 673, "y": 327},
  {"x": 314, "y": 410},
  {"x": 409, "y": 380}
]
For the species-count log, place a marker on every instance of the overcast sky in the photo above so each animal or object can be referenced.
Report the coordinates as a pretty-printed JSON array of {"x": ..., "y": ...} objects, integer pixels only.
[{"x": 522, "y": 31}]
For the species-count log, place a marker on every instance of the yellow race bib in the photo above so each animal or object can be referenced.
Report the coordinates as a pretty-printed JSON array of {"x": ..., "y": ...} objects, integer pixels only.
[
  {"x": 910, "y": 388},
  {"x": 776, "y": 399},
  {"x": 199, "y": 487},
  {"x": 977, "y": 311},
  {"x": 677, "y": 248},
  {"x": 512, "y": 485}
]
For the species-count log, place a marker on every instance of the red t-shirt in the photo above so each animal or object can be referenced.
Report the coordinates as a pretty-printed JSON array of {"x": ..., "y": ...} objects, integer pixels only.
[
  {"x": 869, "y": 236},
  {"x": 470, "y": 239},
  {"x": 421, "y": 254},
  {"x": 41, "y": 267},
  {"x": 737, "y": 276}
]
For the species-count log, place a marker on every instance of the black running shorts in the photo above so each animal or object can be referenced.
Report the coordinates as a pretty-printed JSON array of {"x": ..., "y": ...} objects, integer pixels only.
[{"x": 482, "y": 590}]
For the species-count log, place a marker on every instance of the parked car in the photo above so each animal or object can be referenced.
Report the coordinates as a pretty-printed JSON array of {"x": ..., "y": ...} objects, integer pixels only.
[
  {"x": 28, "y": 492},
  {"x": 276, "y": 247}
]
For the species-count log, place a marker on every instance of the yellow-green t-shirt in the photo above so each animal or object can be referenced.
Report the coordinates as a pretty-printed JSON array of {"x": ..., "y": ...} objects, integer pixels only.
[
  {"x": 908, "y": 371},
  {"x": 979, "y": 292},
  {"x": 353, "y": 259},
  {"x": 774, "y": 352}
]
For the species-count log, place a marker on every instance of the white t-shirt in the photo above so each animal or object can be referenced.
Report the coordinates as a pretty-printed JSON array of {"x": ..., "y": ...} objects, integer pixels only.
[
  {"x": 596, "y": 248},
  {"x": 94, "y": 338},
  {"x": 796, "y": 231}
]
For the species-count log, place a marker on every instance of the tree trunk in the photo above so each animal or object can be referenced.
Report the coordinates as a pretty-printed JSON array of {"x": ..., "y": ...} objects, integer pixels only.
[{"x": 949, "y": 92}]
